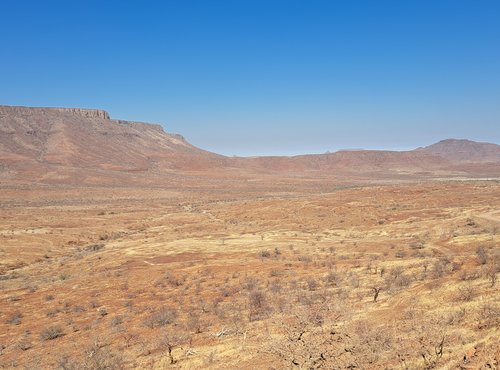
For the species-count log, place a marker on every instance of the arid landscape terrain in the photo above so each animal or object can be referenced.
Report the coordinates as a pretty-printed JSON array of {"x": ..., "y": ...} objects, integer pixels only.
[{"x": 123, "y": 246}]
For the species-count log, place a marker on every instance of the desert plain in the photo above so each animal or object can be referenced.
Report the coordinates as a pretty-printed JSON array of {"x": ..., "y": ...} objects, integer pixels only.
[
  {"x": 330, "y": 276},
  {"x": 125, "y": 247}
]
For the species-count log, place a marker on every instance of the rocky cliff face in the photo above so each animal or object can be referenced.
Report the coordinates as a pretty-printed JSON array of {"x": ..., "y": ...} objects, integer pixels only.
[
  {"x": 28, "y": 111},
  {"x": 89, "y": 113}
]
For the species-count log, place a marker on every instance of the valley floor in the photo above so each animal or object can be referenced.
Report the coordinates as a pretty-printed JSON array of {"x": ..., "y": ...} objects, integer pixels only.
[{"x": 368, "y": 277}]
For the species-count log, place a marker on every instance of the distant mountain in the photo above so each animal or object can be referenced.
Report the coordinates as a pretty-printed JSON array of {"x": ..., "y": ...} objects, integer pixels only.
[
  {"x": 49, "y": 143},
  {"x": 86, "y": 146},
  {"x": 464, "y": 151},
  {"x": 351, "y": 162}
]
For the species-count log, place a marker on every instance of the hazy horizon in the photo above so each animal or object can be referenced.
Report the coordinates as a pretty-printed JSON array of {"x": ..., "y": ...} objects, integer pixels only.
[{"x": 265, "y": 77}]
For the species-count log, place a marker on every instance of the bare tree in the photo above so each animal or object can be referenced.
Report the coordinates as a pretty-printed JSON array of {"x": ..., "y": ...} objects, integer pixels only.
[
  {"x": 491, "y": 273},
  {"x": 431, "y": 354},
  {"x": 170, "y": 339},
  {"x": 307, "y": 346}
]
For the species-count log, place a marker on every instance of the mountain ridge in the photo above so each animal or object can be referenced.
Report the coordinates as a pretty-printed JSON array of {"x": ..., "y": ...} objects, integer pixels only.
[{"x": 86, "y": 145}]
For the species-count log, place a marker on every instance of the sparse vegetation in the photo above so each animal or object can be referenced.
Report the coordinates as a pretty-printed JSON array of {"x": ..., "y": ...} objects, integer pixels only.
[{"x": 338, "y": 291}]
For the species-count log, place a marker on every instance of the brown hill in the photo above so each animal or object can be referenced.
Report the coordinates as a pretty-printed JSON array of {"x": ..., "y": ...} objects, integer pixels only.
[
  {"x": 89, "y": 138},
  {"x": 464, "y": 151},
  {"x": 353, "y": 162},
  {"x": 50, "y": 143},
  {"x": 85, "y": 146}
]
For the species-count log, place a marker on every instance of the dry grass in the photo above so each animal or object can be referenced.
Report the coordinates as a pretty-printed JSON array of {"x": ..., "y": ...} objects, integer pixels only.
[{"x": 395, "y": 276}]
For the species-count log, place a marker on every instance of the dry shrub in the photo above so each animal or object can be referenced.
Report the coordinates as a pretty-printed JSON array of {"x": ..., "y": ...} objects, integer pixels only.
[
  {"x": 491, "y": 273},
  {"x": 275, "y": 286},
  {"x": 195, "y": 323},
  {"x": 305, "y": 259},
  {"x": 15, "y": 318},
  {"x": 469, "y": 275},
  {"x": 117, "y": 320},
  {"x": 465, "y": 293},
  {"x": 489, "y": 315},
  {"x": 333, "y": 278},
  {"x": 51, "y": 332},
  {"x": 251, "y": 283},
  {"x": 174, "y": 281},
  {"x": 371, "y": 343},
  {"x": 265, "y": 254},
  {"x": 400, "y": 254},
  {"x": 402, "y": 281},
  {"x": 274, "y": 273},
  {"x": 258, "y": 304},
  {"x": 24, "y": 344},
  {"x": 162, "y": 317},
  {"x": 305, "y": 346},
  {"x": 353, "y": 279},
  {"x": 438, "y": 269},
  {"x": 170, "y": 340},
  {"x": 100, "y": 357},
  {"x": 94, "y": 247},
  {"x": 312, "y": 284},
  {"x": 97, "y": 356},
  {"x": 456, "y": 317},
  {"x": 482, "y": 255},
  {"x": 396, "y": 280},
  {"x": 229, "y": 290}
]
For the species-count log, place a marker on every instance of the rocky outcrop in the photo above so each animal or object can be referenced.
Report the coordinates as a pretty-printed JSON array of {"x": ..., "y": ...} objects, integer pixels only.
[
  {"x": 89, "y": 113},
  {"x": 29, "y": 111}
]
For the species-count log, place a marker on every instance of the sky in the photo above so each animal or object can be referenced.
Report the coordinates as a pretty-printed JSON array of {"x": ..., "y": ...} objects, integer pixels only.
[{"x": 264, "y": 77}]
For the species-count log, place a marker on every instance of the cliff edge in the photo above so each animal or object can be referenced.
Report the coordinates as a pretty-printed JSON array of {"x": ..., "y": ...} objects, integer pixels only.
[{"x": 30, "y": 111}]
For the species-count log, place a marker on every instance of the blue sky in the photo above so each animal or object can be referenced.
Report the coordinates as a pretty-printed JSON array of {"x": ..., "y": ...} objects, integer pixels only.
[{"x": 250, "y": 77}]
